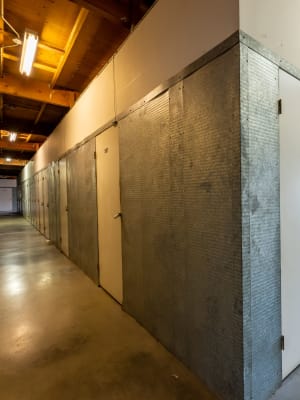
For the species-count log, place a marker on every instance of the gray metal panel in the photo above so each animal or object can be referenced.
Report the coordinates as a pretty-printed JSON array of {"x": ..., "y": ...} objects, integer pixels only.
[
  {"x": 180, "y": 196},
  {"x": 261, "y": 224},
  {"x": 46, "y": 203},
  {"x": 82, "y": 203},
  {"x": 53, "y": 209},
  {"x": 15, "y": 199},
  {"x": 213, "y": 224}
]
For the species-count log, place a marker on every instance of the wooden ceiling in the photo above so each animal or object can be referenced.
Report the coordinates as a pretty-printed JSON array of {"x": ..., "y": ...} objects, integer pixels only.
[{"x": 76, "y": 39}]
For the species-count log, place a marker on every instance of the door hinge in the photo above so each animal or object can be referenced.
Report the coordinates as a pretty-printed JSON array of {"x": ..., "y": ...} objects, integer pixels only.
[
  {"x": 279, "y": 106},
  {"x": 95, "y": 155},
  {"x": 282, "y": 343}
]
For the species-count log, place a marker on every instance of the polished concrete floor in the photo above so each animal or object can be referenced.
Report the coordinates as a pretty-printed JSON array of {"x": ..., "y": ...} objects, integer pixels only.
[
  {"x": 290, "y": 389},
  {"x": 63, "y": 338}
]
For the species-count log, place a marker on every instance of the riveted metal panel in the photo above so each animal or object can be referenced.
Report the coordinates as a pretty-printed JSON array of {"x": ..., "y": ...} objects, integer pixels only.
[
  {"x": 82, "y": 204},
  {"x": 261, "y": 224},
  {"x": 180, "y": 196}
]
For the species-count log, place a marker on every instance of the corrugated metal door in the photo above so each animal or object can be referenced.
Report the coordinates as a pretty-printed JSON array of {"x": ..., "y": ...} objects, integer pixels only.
[
  {"x": 82, "y": 203},
  {"x": 41, "y": 209},
  {"x": 46, "y": 203},
  {"x": 63, "y": 205},
  {"x": 34, "y": 213},
  {"x": 109, "y": 212},
  {"x": 37, "y": 209},
  {"x": 290, "y": 219},
  {"x": 54, "y": 231}
]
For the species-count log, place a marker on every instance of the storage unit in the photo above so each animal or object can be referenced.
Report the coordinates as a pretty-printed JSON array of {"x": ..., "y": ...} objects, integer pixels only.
[{"x": 199, "y": 143}]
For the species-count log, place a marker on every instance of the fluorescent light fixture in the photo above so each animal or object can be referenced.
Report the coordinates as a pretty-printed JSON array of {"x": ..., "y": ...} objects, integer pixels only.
[
  {"x": 12, "y": 137},
  {"x": 30, "y": 43},
  {"x": 8, "y": 159}
]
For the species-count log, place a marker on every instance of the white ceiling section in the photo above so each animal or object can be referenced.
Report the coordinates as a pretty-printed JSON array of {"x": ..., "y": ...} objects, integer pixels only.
[{"x": 275, "y": 24}]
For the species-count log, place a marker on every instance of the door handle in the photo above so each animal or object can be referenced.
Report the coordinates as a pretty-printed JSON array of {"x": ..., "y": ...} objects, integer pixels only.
[
  {"x": 67, "y": 208},
  {"x": 119, "y": 214}
]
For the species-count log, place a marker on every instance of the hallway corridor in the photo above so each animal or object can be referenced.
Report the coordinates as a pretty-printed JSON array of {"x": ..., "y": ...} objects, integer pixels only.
[{"x": 63, "y": 338}]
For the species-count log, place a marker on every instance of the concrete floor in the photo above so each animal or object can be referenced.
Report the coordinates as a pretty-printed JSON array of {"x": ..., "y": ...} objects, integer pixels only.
[
  {"x": 290, "y": 389},
  {"x": 61, "y": 337}
]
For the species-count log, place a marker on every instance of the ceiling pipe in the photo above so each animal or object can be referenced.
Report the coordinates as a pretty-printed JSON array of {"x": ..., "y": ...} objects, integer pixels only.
[{"x": 17, "y": 39}]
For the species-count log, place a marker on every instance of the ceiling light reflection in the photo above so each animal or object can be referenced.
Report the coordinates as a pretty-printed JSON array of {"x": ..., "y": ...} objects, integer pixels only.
[
  {"x": 14, "y": 287},
  {"x": 45, "y": 279}
]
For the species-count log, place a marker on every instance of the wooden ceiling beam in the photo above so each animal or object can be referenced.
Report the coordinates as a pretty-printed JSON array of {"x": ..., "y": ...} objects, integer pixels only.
[
  {"x": 111, "y": 10},
  {"x": 1, "y": 38},
  {"x": 26, "y": 137},
  {"x": 25, "y": 125},
  {"x": 17, "y": 154},
  {"x": 40, "y": 66},
  {"x": 37, "y": 91},
  {"x": 80, "y": 20},
  {"x": 14, "y": 162},
  {"x": 1, "y": 108},
  {"x": 47, "y": 46},
  {"x": 17, "y": 146},
  {"x": 40, "y": 113}
]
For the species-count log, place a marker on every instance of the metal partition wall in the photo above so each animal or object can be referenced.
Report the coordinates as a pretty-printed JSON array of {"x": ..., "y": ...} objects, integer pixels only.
[
  {"x": 39, "y": 201},
  {"x": 26, "y": 199},
  {"x": 36, "y": 194},
  {"x": 46, "y": 203},
  {"x": 82, "y": 199},
  {"x": 53, "y": 203},
  {"x": 180, "y": 196},
  {"x": 63, "y": 205},
  {"x": 33, "y": 201}
]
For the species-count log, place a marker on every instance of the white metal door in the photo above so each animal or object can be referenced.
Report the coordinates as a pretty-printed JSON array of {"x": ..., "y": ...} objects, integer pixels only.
[
  {"x": 290, "y": 219},
  {"x": 6, "y": 203},
  {"x": 109, "y": 217},
  {"x": 63, "y": 204}
]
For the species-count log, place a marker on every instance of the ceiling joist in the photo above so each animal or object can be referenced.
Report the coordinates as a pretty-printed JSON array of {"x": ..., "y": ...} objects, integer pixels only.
[
  {"x": 36, "y": 90},
  {"x": 40, "y": 66},
  {"x": 13, "y": 162},
  {"x": 25, "y": 125},
  {"x": 111, "y": 10},
  {"x": 46, "y": 46},
  {"x": 17, "y": 146},
  {"x": 80, "y": 20}
]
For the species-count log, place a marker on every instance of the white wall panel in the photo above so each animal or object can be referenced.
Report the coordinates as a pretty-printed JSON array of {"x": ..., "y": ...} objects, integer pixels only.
[
  {"x": 93, "y": 110},
  {"x": 173, "y": 35},
  {"x": 275, "y": 24},
  {"x": 8, "y": 183}
]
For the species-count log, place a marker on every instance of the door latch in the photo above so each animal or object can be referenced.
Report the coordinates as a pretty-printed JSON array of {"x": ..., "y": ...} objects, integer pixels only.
[{"x": 119, "y": 214}]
